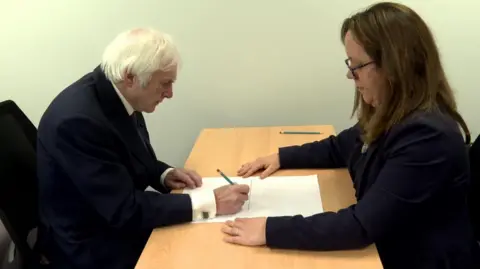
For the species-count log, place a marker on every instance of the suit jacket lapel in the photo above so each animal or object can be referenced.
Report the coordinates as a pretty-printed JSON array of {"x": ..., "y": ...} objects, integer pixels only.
[
  {"x": 118, "y": 116},
  {"x": 365, "y": 157},
  {"x": 143, "y": 128},
  {"x": 128, "y": 131}
]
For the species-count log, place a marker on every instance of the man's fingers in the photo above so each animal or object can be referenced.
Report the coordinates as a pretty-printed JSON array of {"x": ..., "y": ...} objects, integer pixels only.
[
  {"x": 243, "y": 197},
  {"x": 178, "y": 185},
  {"x": 185, "y": 178},
  {"x": 241, "y": 188},
  {"x": 197, "y": 179}
]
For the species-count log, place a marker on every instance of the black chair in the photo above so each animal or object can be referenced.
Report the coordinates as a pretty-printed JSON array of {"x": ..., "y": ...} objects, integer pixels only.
[
  {"x": 474, "y": 195},
  {"x": 18, "y": 182}
]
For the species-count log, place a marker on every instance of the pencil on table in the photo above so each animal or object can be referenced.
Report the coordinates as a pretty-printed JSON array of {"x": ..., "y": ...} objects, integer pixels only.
[{"x": 299, "y": 132}]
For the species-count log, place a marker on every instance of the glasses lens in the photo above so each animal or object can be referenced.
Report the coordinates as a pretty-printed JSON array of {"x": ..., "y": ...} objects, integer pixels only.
[{"x": 349, "y": 62}]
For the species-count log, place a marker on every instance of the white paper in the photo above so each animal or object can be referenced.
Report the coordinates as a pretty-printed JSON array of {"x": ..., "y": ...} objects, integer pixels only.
[{"x": 273, "y": 196}]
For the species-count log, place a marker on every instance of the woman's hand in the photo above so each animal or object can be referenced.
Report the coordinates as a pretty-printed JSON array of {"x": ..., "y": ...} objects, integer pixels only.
[
  {"x": 269, "y": 164},
  {"x": 246, "y": 231}
]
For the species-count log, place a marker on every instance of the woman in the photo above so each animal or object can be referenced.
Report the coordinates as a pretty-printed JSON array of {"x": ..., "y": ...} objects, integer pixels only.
[{"x": 406, "y": 155}]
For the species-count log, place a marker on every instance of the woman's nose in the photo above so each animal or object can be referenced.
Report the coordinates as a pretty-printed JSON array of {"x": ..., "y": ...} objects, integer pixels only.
[{"x": 349, "y": 74}]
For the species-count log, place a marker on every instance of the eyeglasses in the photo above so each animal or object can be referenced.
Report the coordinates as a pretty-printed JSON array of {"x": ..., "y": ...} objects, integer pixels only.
[{"x": 352, "y": 69}]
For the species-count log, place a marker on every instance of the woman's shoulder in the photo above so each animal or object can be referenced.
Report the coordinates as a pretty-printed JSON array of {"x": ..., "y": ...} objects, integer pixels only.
[
  {"x": 427, "y": 129},
  {"x": 435, "y": 120}
]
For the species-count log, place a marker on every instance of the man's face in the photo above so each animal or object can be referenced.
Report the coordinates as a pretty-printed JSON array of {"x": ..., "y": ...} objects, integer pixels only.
[{"x": 146, "y": 99}]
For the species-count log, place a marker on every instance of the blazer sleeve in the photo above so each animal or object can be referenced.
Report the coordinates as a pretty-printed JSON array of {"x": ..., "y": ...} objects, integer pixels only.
[
  {"x": 86, "y": 151},
  {"x": 161, "y": 166},
  {"x": 156, "y": 182},
  {"x": 418, "y": 164},
  {"x": 332, "y": 152}
]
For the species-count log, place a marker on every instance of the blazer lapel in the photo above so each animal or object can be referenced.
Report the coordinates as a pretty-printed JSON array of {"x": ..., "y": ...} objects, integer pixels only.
[
  {"x": 368, "y": 152},
  {"x": 143, "y": 129},
  {"x": 128, "y": 131},
  {"x": 118, "y": 116},
  {"x": 361, "y": 166}
]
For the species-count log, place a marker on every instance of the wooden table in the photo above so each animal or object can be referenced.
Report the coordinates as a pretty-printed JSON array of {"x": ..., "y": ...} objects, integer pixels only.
[{"x": 200, "y": 246}]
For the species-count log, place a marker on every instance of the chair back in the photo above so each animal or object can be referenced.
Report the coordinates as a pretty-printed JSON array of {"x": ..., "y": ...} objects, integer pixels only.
[
  {"x": 474, "y": 195},
  {"x": 18, "y": 181}
]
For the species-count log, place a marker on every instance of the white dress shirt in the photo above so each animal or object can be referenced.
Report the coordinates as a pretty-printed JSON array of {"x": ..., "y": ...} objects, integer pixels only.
[{"x": 202, "y": 202}]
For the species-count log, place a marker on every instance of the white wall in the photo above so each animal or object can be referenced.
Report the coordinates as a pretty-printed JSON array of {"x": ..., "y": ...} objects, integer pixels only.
[{"x": 245, "y": 62}]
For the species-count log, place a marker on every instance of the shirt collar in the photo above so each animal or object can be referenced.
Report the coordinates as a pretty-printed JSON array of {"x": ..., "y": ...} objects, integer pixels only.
[{"x": 125, "y": 103}]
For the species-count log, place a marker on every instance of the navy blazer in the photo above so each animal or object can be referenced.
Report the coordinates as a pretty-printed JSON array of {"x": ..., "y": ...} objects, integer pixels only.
[
  {"x": 93, "y": 169},
  {"x": 411, "y": 187}
]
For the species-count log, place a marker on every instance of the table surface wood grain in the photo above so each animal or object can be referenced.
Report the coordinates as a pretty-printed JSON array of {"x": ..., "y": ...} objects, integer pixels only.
[{"x": 200, "y": 246}]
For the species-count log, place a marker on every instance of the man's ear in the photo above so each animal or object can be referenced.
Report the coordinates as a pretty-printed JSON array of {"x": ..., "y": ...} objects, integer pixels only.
[{"x": 128, "y": 79}]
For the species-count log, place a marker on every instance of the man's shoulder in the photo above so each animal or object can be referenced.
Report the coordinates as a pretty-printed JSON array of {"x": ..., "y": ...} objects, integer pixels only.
[{"x": 76, "y": 101}]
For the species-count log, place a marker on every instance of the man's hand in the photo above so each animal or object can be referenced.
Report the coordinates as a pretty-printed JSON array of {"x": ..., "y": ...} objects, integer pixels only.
[
  {"x": 180, "y": 178},
  {"x": 230, "y": 198}
]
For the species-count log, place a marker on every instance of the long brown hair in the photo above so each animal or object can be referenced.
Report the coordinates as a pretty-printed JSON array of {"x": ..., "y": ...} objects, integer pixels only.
[{"x": 403, "y": 47}]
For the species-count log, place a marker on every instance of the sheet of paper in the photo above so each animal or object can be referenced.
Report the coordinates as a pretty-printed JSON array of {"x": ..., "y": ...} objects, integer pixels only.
[
  {"x": 273, "y": 196},
  {"x": 285, "y": 196}
]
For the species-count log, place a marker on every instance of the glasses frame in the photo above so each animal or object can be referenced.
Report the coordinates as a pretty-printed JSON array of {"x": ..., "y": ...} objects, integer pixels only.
[{"x": 352, "y": 69}]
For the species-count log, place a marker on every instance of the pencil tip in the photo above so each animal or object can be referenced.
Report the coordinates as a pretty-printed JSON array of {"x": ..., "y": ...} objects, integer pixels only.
[{"x": 218, "y": 170}]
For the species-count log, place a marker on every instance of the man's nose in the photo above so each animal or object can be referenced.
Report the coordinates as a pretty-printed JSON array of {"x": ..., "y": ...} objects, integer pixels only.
[{"x": 169, "y": 93}]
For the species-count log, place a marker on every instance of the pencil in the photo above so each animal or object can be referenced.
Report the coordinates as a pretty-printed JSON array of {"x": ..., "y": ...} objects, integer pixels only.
[
  {"x": 298, "y": 132},
  {"x": 225, "y": 177}
]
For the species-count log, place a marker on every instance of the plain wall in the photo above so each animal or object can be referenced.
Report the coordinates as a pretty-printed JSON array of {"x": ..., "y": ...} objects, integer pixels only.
[{"x": 245, "y": 63}]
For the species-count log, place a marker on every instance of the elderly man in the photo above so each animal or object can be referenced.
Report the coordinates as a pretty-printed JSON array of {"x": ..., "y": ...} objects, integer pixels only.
[{"x": 95, "y": 161}]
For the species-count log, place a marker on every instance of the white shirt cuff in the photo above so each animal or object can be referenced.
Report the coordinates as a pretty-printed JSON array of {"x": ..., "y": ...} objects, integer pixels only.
[
  {"x": 203, "y": 205},
  {"x": 164, "y": 175}
]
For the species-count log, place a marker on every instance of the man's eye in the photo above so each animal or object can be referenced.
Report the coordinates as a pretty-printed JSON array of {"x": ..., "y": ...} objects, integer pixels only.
[{"x": 167, "y": 84}]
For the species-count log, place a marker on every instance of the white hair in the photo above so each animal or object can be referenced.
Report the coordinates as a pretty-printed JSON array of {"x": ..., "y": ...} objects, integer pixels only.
[{"x": 139, "y": 52}]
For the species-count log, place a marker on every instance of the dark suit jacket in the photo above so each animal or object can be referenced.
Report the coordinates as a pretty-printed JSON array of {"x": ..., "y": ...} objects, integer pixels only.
[
  {"x": 411, "y": 187},
  {"x": 93, "y": 169},
  {"x": 474, "y": 195}
]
